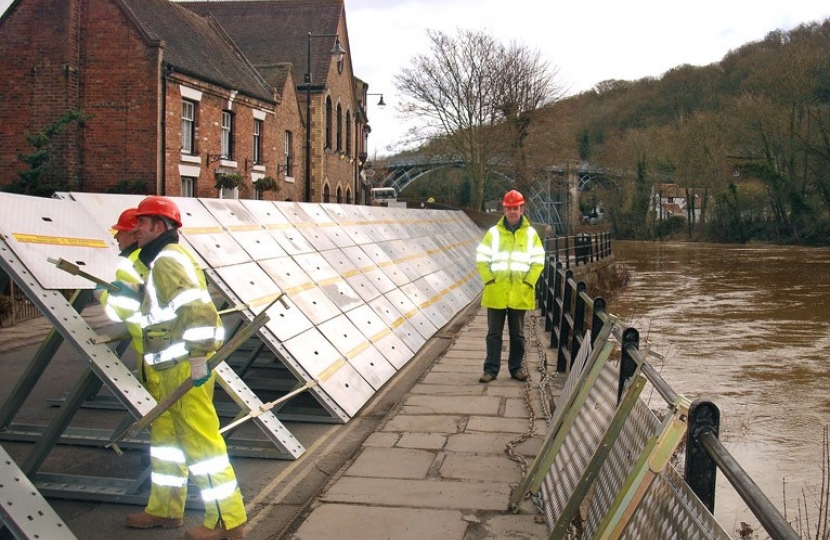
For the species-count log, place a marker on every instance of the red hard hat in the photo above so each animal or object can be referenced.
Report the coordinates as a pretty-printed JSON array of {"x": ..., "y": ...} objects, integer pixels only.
[
  {"x": 126, "y": 221},
  {"x": 512, "y": 199},
  {"x": 159, "y": 206}
]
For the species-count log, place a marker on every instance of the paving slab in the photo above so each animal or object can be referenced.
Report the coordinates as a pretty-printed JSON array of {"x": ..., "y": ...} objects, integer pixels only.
[
  {"x": 422, "y": 404},
  {"x": 427, "y": 441},
  {"x": 446, "y": 389},
  {"x": 420, "y": 493},
  {"x": 480, "y": 468},
  {"x": 479, "y": 443},
  {"x": 514, "y": 527},
  {"x": 493, "y": 424},
  {"x": 348, "y": 522},
  {"x": 459, "y": 379},
  {"x": 425, "y": 423},
  {"x": 382, "y": 439},
  {"x": 392, "y": 463}
]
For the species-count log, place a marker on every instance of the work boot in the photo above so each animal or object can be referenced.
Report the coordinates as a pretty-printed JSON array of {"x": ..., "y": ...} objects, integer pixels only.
[
  {"x": 219, "y": 533},
  {"x": 520, "y": 375},
  {"x": 143, "y": 520},
  {"x": 487, "y": 377}
]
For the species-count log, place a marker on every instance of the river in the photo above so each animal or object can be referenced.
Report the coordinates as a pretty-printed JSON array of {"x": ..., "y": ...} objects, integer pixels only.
[{"x": 747, "y": 327}]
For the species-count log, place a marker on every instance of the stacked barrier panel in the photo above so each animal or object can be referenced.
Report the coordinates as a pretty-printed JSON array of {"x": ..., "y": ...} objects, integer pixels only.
[{"x": 356, "y": 311}]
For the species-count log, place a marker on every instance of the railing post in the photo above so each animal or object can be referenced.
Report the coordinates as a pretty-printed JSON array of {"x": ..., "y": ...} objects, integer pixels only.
[
  {"x": 556, "y": 314},
  {"x": 567, "y": 251},
  {"x": 579, "y": 321},
  {"x": 596, "y": 319},
  {"x": 628, "y": 365},
  {"x": 564, "y": 337},
  {"x": 700, "y": 471}
]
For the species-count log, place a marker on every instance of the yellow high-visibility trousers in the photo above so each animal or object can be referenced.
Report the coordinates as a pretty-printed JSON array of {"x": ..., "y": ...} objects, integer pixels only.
[{"x": 186, "y": 439}]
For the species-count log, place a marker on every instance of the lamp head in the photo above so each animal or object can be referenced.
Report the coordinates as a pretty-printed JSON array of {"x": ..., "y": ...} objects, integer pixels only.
[{"x": 338, "y": 52}]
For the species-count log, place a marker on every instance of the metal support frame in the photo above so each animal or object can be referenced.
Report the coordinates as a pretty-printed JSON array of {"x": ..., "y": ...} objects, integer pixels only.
[
  {"x": 23, "y": 509},
  {"x": 559, "y": 428}
]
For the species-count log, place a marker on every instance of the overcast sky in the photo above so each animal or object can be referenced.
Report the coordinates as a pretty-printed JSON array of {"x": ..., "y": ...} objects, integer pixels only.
[{"x": 587, "y": 41}]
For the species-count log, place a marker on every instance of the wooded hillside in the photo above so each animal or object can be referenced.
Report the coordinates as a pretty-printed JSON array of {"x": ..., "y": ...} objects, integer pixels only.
[{"x": 751, "y": 133}]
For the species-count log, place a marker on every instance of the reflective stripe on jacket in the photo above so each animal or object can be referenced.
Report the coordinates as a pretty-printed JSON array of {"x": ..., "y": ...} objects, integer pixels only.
[
  {"x": 510, "y": 263},
  {"x": 178, "y": 317},
  {"x": 123, "y": 308}
]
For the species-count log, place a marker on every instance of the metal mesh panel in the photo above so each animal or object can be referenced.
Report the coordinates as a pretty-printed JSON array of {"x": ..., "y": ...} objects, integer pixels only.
[
  {"x": 671, "y": 510},
  {"x": 668, "y": 510},
  {"x": 581, "y": 442}
]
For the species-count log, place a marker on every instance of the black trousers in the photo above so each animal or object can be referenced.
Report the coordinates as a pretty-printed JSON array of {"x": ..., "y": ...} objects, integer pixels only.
[{"x": 495, "y": 329}]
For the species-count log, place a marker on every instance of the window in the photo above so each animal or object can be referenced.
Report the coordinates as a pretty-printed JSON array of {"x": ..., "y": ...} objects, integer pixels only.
[
  {"x": 349, "y": 133},
  {"x": 188, "y": 185},
  {"x": 326, "y": 193},
  {"x": 328, "y": 122},
  {"x": 188, "y": 126},
  {"x": 257, "y": 148},
  {"x": 339, "y": 128},
  {"x": 226, "y": 143},
  {"x": 289, "y": 143},
  {"x": 349, "y": 196},
  {"x": 339, "y": 195}
]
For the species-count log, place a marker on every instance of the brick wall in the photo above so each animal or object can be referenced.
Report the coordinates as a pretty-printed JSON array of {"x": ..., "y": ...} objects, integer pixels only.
[
  {"x": 119, "y": 74},
  {"x": 38, "y": 60},
  {"x": 214, "y": 100},
  {"x": 57, "y": 55}
]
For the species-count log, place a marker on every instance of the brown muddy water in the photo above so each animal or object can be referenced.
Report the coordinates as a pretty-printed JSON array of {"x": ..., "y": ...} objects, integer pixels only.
[{"x": 748, "y": 328}]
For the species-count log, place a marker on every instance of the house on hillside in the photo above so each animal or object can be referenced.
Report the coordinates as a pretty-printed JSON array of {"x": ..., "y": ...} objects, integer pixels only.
[
  {"x": 668, "y": 200},
  {"x": 172, "y": 102}
]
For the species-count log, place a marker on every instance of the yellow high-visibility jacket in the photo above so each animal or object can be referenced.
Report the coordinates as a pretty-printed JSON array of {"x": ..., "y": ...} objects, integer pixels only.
[
  {"x": 122, "y": 308},
  {"x": 510, "y": 264},
  {"x": 178, "y": 316}
]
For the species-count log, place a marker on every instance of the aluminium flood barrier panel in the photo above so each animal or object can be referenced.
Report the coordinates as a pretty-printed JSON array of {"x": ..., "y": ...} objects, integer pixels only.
[{"x": 364, "y": 289}]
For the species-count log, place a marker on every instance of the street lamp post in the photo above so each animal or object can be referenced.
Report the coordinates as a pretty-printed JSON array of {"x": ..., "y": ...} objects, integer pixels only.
[{"x": 338, "y": 52}]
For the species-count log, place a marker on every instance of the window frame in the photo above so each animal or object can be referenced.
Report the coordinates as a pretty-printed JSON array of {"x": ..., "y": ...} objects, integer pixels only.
[
  {"x": 288, "y": 143},
  {"x": 188, "y": 135},
  {"x": 257, "y": 140},
  {"x": 188, "y": 186},
  {"x": 226, "y": 135}
]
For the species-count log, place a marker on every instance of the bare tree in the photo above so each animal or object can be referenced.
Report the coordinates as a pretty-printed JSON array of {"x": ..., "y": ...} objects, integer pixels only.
[
  {"x": 466, "y": 92},
  {"x": 526, "y": 84}
]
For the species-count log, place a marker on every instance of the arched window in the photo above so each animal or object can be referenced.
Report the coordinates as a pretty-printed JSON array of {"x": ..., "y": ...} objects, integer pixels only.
[
  {"x": 339, "y": 195},
  {"x": 326, "y": 193},
  {"x": 328, "y": 122},
  {"x": 339, "y": 128},
  {"x": 349, "y": 133},
  {"x": 349, "y": 196}
]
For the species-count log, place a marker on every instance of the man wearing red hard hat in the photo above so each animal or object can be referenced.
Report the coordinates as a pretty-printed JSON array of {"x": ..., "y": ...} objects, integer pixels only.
[
  {"x": 181, "y": 329},
  {"x": 129, "y": 278},
  {"x": 509, "y": 259}
]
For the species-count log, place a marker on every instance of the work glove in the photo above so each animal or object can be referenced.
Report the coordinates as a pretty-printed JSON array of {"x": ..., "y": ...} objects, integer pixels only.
[
  {"x": 98, "y": 291},
  {"x": 199, "y": 370},
  {"x": 128, "y": 290}
]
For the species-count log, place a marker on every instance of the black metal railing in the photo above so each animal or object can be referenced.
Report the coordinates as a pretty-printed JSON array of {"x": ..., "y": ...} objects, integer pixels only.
[
  {"x": 579, "y": 249},
  {"x": 14, "y": 306},
  {"x": 570, "y": 313}
]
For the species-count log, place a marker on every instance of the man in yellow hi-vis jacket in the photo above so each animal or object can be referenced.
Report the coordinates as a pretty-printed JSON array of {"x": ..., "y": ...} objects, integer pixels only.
[
  {"x": 181, "y": 329},
  {"x": 509, "y": 259},
  {"x": 129, "y": 277}
]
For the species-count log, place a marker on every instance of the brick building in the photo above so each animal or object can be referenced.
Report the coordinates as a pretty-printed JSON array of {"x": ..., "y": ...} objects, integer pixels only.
[
  {"x": 172, "y": 103},
  {"x": 269, "y": 30}
]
